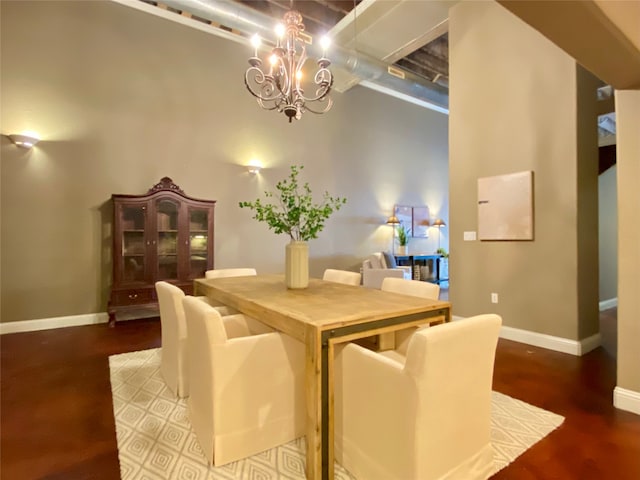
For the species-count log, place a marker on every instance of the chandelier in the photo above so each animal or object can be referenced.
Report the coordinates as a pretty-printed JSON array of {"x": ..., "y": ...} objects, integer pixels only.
[{"x": 280, "y": 88}]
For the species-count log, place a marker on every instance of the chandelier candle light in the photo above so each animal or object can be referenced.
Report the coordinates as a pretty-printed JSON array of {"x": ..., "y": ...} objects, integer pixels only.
[{"x": 281, "y": 87}]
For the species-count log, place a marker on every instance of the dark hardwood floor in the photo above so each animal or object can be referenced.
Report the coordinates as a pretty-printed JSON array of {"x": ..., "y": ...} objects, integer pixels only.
[{"x": 57, "y": 419}]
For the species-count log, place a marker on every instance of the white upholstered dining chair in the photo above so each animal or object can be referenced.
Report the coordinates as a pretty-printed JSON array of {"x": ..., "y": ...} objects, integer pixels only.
[
  {"x": 247, "y": 384},
  {"x": 414, "y": 288},
  {"x": 430, "y": 416},
  {"x": 342, "y": 276},
  {"x": 173, "y": 365},
  {"x": 228, "y": 272}
]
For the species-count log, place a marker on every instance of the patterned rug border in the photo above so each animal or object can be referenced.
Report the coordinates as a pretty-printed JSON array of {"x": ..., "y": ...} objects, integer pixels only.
[{"x": 155, "y": 439}]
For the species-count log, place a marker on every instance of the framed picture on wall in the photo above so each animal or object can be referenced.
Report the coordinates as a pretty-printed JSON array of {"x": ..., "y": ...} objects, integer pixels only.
[
  {"x": 421, "y": 222},
  {"x": 404, "y": 213}
]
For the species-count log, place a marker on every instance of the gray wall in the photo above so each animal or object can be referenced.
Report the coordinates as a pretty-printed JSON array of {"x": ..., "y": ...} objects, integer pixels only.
[
  {"x": 518, "y": 105},
  {"x": 122, "y": 98},
  {"x": 608, "y": 234},
  {"x": 628, "y": 180}
]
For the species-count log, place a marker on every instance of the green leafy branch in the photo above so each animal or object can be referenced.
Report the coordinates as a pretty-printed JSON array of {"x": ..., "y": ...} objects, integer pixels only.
[{"x": 295, "y": 213}]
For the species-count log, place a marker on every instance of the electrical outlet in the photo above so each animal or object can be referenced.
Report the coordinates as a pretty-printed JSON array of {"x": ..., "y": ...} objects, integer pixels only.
[
  {"x": 469, "y": 236},
  {"x": 494, "y": 298}
]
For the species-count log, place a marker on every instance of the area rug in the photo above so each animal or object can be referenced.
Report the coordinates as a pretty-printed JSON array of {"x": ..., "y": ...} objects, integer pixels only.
[{"x": 155, "y": 439}]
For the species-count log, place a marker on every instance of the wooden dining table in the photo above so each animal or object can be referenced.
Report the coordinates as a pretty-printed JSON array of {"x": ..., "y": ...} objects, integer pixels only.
[{"x": 322, "y": 315}]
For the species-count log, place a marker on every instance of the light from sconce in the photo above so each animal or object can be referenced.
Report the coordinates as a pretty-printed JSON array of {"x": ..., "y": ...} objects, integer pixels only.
[
  {"x": 24, "y": 141},
  {"x": 254, "y": 167}
]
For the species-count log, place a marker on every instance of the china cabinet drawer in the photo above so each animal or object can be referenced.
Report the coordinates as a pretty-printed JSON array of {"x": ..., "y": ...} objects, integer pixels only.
[{"x": 133, "y": 297}]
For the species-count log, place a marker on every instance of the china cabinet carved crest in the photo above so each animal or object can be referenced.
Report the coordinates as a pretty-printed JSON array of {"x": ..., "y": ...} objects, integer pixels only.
[{"x": 161, "y": 235}]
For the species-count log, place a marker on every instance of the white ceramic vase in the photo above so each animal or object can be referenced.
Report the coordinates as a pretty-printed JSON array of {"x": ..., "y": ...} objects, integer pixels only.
[
  {"x": 402, "y": 250},
  {"x": 296, "y": 272}
]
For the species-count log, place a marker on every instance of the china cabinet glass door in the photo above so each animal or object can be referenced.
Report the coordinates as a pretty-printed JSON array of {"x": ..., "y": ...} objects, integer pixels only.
[
  {"x": 133, "y": 250},
  {"x": 198, "y": 242},
  {"x": 167, "y": 243}
]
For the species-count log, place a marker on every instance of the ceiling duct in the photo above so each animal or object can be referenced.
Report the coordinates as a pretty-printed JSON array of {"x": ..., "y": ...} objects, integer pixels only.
[{"x": 372, "y": 72}]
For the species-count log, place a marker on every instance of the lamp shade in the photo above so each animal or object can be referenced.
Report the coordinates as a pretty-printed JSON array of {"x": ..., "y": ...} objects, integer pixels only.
[
  {"x": 439, "y": 223},
  {"x": 393, "y": 220}
]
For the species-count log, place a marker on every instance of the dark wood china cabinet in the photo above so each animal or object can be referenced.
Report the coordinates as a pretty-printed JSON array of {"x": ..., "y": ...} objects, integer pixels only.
[{"x": 161, "y": 235}]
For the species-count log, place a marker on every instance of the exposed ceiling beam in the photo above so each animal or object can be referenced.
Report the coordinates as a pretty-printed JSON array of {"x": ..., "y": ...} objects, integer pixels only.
[
  {"x": 427, "y": 61},
  {"x": 583, "y": 31}
]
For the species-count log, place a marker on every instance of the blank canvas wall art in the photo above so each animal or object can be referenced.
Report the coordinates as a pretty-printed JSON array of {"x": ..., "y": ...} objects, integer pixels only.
[{"x": 505, "y": 207}]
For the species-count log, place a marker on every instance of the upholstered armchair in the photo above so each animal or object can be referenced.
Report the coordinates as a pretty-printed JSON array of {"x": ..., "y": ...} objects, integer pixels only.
[
  {"x": 426, "y": 417},
  {"x": 342, "y": 276},
  {"x": 379, "y": 266},
  {"x": 246, "y": 381}
]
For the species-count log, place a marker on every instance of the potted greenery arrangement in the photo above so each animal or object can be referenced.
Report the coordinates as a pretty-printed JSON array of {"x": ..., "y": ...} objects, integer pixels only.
[
  {"x": 403, "y": 239},
  {"x": 296, "y": 215}
]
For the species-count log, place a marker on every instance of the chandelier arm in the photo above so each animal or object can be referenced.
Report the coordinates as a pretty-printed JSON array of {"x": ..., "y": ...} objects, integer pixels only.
[
  {"x": 324, "y": 110},
  {"x": 321, "y": 93},
  {"x": 268, "y": 88},
  {"x": 284, "y": 73},
  {"x": 300, "y": 64},
  {"x": 266, "y": 107},
  {"x": 324, "y": 81}
]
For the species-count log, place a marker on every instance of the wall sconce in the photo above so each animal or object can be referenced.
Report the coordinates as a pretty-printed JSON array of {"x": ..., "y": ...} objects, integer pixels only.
[
  {"x": 24, "y": 141},
  {"x": 254, "y": 167}
]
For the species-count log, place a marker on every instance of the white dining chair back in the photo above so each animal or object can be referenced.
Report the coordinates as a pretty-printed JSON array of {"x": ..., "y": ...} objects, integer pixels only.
[
  {"x": 342, "y": 276},
  {"x": 230, "y": 272},
  {"x": 247, "y": 384},
  {"x": 224, "y": 273},
  {"x": 415, "y": 288},
  {"x": 173, "y": 330},
  {"x": 430, "y": 417}
]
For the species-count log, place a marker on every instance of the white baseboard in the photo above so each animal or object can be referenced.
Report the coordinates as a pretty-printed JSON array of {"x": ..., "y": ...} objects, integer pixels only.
[
  {"x": 57, "y": 322},
  {"x": 589, "y": 343},
  {"x": 559, "y": 344},
  {"x": 626, "y": 400},
  {"x": 607, "y": 304}
]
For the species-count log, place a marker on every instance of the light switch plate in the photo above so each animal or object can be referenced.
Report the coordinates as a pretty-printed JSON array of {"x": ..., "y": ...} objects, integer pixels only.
[{"x": 469, "y": 236}]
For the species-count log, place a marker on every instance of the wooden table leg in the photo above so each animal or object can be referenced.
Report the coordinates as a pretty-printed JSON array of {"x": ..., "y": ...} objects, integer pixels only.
[
  {"x": 386, "y": 341},
  {"x": 330, "y": 409},
  {"x": 313, "y": 363}
]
